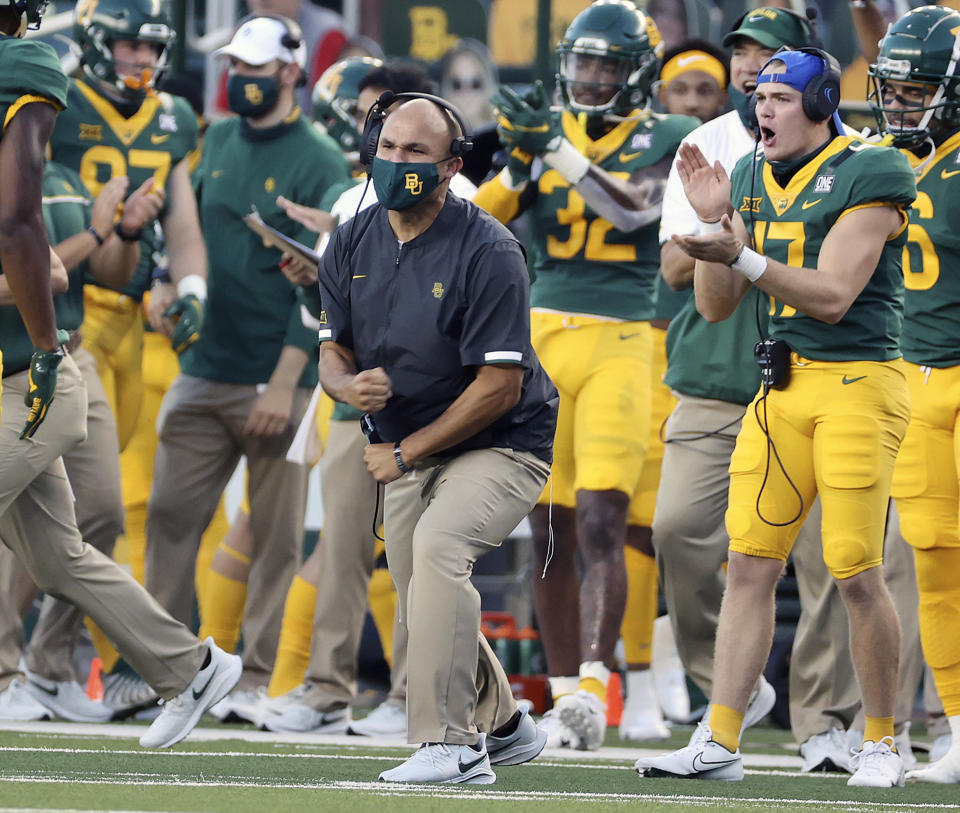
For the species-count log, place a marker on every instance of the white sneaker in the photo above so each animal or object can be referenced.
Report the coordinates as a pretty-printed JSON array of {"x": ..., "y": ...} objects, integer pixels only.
[
  {"x": 643, "y": 726},
  {"x": 701, "y": 758},
  {"x": 876, "y": 765},
  {"x": 125, "y": 694},
  {"x": 940, "y": 747},
  {"x": 827, "y": 752},
  {"x": 386, "y": 720},
  {"x": 525, "y": 743},
  {"x": 761, "y": 703},
  {"x": 290, "y": 712},
  {"x": 16, "y": 703},
  {"x": 67, "y": 699},
  {"x": 584, "y": 714},
  {"x": 558, "y": 735},
  {"x": 446, "y": 763},
  {"x": 181, "y": 713},
  {"x": 945, "y": 771},
  {"x": 240, "y": 706},
  {"x": 905, "y": 748},
  {"x": 669, "y": 679}
]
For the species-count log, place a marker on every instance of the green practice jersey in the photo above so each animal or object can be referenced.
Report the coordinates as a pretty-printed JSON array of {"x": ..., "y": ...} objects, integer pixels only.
[
  {"x": 95, "y": 140},
  {"x": 789, "y": 225},
  {"x": 931, "y": 262},
  {"x": 29, "y": 73},
  {"x": 581, "y": 262}
]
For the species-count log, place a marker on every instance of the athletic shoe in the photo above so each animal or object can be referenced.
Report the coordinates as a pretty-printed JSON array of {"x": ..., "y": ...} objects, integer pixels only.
[
  {"x": 905, "y": 748},
  {"x": 446, "y": 763},
  {"x": 945, "y": 771},
  {"x": 876, "y": 765},
  {"x": 525, "y": 743},
  {"x": 827, "y": 752},
  {"x": 558, "y": 735},
  {"x": 643, "y": 726},
  {"x": 701, "y": 758},
  {"x": 940, "y": 747},
  {"x": 125, "y": 694},
  {"x": 290, "y": 712},
  {"x": 386, "y": 720},
  {"x": 584, "y": 714},
  {"x": 16, "y": 703},
  {"x": 181, "y": 713},
  {"x": 67, "y": 699},
  {"x": 669, "y": 679},
  {"x": 761, "y": 703},
  {"x": 240, "y": 706}
]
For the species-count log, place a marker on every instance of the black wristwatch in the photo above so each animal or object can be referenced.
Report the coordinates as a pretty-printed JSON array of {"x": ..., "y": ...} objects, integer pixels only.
[
  {"x": 398, "y": 456},
  {"x": 127, "y": 238}
]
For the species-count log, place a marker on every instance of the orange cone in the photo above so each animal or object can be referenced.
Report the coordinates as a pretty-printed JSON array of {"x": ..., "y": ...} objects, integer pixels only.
[
  {"x": 95, "y": 681},
  {"x": 614, "y": 699}
]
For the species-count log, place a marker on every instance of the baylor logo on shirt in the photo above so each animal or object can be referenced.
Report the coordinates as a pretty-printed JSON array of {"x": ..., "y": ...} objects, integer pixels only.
[
  {"x": 414, "y": 185},
  {"x": 437, "y": 290}
]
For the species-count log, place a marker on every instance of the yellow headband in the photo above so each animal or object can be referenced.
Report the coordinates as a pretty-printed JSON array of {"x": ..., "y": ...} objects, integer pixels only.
[{"x": 694, "y": 61}]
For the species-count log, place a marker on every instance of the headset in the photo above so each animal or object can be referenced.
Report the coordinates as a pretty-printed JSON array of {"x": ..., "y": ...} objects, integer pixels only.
[
  {"x": 292, "y": 38},
  {"x": 821, "y": 96},
  {"x": 378, "y": 112}
]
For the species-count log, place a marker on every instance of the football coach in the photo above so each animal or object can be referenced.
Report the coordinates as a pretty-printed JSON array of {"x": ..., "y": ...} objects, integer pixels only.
[{"x": 425, "y": 327}]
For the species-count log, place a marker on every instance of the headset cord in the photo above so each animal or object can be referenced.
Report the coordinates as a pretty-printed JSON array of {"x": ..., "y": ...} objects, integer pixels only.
[{"x": 376, "y": 513}]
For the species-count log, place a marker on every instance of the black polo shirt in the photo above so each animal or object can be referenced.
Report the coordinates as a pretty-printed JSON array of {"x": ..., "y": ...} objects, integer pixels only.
[{"x": 431, "y": 310}]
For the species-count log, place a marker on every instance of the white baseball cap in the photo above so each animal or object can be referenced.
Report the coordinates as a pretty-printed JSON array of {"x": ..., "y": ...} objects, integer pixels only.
[{"x": 262, "y": 39}]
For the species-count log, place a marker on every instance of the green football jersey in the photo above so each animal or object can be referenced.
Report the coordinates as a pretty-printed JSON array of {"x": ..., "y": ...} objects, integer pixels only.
[
  {"x": 789, "y": 224},
  {"x": 95, "y": 140},
  {"x": 581, "y": 262},
  {"x": 931, "y": 262}
]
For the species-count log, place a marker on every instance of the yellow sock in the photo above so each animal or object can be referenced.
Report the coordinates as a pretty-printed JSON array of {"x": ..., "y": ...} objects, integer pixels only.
[
  {"x": 296, "y": 631},
  {"x": 222, "y": 610},
  {"x": 877, "y": 728},
  {"x": 594, "y": 686},
  {"x": 641, "y": 611},
  {"x": 382, "y": 601},
  {"x": 725, "y": 724}
]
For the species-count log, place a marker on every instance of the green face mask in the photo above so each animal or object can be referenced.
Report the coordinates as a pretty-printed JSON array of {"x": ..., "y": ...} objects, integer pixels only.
[
  {"x": 746, "y": 107},
  {"x": 252, "y": 96},
  {"x": 400, "y": 185}
]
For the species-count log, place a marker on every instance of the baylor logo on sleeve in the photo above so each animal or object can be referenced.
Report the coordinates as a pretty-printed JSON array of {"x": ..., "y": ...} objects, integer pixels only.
[{"x": 824, "y": 183}]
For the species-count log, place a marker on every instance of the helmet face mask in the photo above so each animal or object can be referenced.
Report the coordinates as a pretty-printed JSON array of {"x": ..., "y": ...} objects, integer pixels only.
[
  {"x": 30, "y": 13},
  {"x": 608, "y": 59},
  {"x": 335, "y": 97},
  {"x": 99, "y": 24},
  {"x": 918, "y": 67}
]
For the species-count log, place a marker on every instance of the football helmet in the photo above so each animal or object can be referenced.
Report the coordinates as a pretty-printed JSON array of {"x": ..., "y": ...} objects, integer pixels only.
[
  {"x": 98, "y": 23},
  {"x": 922, "y": 47},
  {"x": 608, "y": 59},
  {"x": 30, "y": 12},
  {"x": 335, "y": 99}
]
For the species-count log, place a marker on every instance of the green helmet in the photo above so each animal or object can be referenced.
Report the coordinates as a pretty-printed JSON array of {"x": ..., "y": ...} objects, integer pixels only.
[
  {"x": 629, "y": 45},
  {"x": 335, "y": 99},
  {"x": 922, "y": 47},
  {"x": 30, "y": 12},
  {"x": 98, "y": 23}
]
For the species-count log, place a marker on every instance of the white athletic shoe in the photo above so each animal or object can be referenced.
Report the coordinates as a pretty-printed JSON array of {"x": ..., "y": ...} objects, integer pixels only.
[
  {"x": 290, "y": 712},
  {"x": 125, "y": 694},
  {"x": 386, "y": 720},
  {"x": 525, "y": 743},
  {"x": 669, "y": 679},
  {"x": 761, "y": 703},
  {"x": 180, "y": 714},
  {"x": 446, "y": 763},
  {"x": 643, "y": 726},
  {"x": 827, "y": 752},
  {"x": 945, "y": 771},
  {"x": 558, "y": 735},
  {"x": 240, "y": 706},
  {"x": 940, "y": 747},
  {"x": 16, "y": 703},
  {"x": 876, "y": 765},
  {"x": 701, "y": 758},
  {"x": 67, "y": 699},
  {"x": 585, "y": 715},
  {"x": 905, "y": 748}
]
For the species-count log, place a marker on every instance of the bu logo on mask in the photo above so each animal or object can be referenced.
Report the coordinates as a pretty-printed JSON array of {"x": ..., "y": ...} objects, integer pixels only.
[
  {"x": 413, "y": 183},
  {"x": 253, "y": 93}
]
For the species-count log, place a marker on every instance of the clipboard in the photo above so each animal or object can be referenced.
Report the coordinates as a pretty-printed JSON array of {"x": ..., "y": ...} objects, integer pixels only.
[{"x": 277, "y": 239}]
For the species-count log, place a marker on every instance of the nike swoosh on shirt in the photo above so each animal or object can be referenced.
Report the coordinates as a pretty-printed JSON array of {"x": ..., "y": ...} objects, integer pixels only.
[
  {"x": 808, "y": 204},
  {"x": 629, "y": 156},
  {"x": 625, "y": 336},
  {"x": 158, "y": 139},
  {"x": 946, "y": 173},
  {"x": 852, "y": 380},
  {"x": 470, "y": 765}
]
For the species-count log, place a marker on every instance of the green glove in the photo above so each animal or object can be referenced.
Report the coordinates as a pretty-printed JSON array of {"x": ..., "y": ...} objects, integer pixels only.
[
  {"x": 188, "y": 311},
  {"x": 518, "y": 165},
  {"x": 526, "y": 121},
  {"x": 42, "y": 386}
]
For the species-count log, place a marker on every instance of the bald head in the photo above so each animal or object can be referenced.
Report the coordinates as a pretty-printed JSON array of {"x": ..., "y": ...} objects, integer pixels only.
[{"x": 418, "y": 127}]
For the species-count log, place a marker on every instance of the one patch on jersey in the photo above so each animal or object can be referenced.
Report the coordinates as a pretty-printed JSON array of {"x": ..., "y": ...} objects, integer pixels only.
[
  {"x": 824, "y": 183},
  {"x": 167, "y": 122},
  {"x": 91, "y": 132},
  {"x": 641, "y": 141}
]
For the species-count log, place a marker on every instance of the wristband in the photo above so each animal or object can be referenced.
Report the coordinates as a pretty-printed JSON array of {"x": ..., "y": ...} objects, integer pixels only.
[
  {"x": 749, "y": 263},
  {"x": 127, "y": 238},
  {"x": 96, "y": 235},
  {"x": 399, "y": 458},
  {"x": 711, "y": 226},
  {"x": 193, "y": 284},
  {"x": 568, "y": 161}
]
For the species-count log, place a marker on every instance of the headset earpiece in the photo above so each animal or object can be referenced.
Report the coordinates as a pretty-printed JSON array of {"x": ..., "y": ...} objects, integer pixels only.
[{"x": 821, "y": 96}]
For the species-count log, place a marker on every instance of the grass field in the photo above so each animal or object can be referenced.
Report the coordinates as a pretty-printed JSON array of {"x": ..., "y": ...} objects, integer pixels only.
[{"x": 65, "y": 766}]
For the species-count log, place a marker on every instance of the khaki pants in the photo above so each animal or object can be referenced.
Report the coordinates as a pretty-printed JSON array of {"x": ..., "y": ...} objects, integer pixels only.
[
  {"x": 200, "y": 427},
  {"x": 440, "y": 518},
  {"x": 38, "y": 524},
  {"x": 347, "y": 560}
]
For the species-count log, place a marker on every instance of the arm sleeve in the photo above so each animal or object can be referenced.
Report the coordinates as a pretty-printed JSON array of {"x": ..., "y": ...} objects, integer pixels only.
[
  {"x": 677, "y": 215},
  {"x": 334, "y": 314},
  {"x": 496, "y": 325}
]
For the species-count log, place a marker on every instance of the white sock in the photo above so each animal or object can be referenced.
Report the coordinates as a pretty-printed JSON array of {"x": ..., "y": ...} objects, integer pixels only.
[
  {"x": 954, "y": 752},
  {"x": 641, "y": 695},
  {"x": 596, "y": 670},
  {"x": 559, "y": 686}
]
